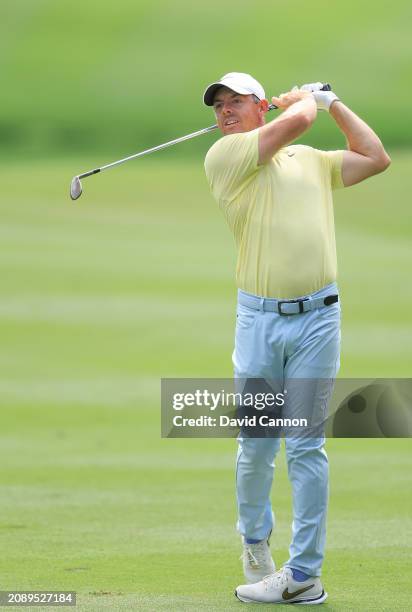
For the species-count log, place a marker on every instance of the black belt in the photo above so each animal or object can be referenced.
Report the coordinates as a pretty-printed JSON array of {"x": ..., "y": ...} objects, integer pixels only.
[{"x": 286, "y": 307}]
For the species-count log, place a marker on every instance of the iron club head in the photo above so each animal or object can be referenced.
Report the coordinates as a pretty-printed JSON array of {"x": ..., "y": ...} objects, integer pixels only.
[{"x": 75, "y": 188}]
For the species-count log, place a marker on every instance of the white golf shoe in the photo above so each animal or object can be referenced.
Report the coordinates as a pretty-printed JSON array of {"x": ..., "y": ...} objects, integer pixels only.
[
  {"x": 257, "y": 561},
  {"x": 280, "y": 587}
]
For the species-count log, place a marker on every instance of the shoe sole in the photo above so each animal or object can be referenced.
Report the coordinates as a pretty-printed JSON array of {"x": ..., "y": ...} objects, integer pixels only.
[{"x": 307, "y": 602}]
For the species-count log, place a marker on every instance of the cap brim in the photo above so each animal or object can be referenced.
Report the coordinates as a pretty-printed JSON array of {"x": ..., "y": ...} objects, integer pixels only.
[{"x": 211, "y": 90}]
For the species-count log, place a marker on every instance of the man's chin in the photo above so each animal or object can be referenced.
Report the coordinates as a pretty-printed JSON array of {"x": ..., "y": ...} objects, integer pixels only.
[{"x": 233, "y": 129}]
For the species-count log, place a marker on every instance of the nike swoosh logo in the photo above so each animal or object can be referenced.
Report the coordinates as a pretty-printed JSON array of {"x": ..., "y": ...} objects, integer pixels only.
[
  {"x": 291, "y": 154},
  {"x": 286, "y": 595}
]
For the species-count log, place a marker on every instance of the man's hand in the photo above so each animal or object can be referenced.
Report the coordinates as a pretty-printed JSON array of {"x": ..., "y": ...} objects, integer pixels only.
[
  {"x": 298, "y": 116},
  {"x": 324, "y": 99},
  {"x": 291, "y": 97}
]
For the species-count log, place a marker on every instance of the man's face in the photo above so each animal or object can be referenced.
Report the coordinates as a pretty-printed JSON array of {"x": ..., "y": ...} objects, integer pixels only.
[{"x": 236, "y": 112}]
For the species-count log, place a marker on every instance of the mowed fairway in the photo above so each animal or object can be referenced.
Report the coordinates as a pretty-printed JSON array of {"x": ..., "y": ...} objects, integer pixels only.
[{"x": 134, "y": 282}]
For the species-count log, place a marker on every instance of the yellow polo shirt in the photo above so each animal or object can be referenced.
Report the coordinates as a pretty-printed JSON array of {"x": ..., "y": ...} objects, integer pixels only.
[{"x": 281, "y": 213}]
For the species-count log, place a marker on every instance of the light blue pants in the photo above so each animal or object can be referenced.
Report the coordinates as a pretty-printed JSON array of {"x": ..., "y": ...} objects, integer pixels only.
[{"x": 271, "y": 346}]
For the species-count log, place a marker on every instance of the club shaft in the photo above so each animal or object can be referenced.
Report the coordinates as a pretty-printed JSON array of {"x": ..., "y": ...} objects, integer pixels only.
[
  {"x": 152, "y": 150},
  {"x": 211, "y": 128},
  {"x": 157, "y": 148}
]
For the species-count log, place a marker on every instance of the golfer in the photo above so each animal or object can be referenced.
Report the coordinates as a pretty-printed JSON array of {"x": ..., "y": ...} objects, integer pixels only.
[{"x": 277, "y": 200}]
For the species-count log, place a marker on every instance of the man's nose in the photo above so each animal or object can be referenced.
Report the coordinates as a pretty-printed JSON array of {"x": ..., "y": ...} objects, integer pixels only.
[{"x": 226, "y": 108}]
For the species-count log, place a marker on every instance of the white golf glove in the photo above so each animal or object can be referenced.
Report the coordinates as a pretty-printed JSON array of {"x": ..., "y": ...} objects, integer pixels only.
[{"x": 323, "y": 99}]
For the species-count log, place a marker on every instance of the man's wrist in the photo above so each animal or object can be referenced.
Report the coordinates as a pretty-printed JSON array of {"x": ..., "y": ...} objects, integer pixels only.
[
  {"x": 333, "y": 103},
  {"x": 325, "y": 99}
]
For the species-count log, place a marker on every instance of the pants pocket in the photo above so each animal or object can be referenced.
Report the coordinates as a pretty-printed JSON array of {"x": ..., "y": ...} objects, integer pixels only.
[{"x": 245, "y": 317}]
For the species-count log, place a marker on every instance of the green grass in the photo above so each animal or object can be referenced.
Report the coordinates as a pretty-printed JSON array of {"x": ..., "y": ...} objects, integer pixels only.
[
  {"x": 99, "y": 300},
  {"x": 83, "y": 75}
]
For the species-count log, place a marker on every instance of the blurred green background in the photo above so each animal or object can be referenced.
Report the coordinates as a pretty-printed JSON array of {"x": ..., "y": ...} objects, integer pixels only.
[
  {"x": 134, "y": 282},
  {"x": 112, "y": 77}
]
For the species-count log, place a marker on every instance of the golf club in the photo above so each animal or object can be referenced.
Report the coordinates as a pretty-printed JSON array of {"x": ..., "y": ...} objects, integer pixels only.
[{"x": 76, "y": 186}]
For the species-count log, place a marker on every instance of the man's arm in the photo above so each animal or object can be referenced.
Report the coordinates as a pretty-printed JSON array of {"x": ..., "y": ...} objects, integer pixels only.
[
  {"x": 365, "y": 155},
  {"x": 298, "y": 117}
]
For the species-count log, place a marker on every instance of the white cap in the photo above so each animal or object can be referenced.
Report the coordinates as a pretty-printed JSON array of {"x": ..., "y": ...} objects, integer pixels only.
[{"x": 239, "y": 82}]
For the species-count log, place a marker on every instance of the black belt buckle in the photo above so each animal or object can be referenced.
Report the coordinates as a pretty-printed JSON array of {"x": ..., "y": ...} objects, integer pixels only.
[{"x": 286, "y": 314}]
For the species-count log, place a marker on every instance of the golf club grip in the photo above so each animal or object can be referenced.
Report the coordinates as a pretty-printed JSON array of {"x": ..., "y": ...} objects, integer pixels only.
[{"x": 326, "y": 87}]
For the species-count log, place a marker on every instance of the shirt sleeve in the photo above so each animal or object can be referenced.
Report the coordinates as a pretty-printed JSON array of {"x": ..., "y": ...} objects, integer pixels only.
[
  {"x": 332, "y": 164},
  {"x": 231, "y": 163}
]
